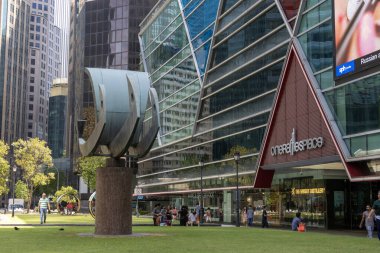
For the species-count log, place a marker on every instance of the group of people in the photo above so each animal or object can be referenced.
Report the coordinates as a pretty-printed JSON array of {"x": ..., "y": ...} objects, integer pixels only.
[
  {"x": 248, "y": 213},
  {"x": 164, "y": 216},
  {"x": 370, "y": 218}
]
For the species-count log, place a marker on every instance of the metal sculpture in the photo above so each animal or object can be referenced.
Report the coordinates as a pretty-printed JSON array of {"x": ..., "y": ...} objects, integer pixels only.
[
  {"x": 70, "y": 196},
  {"x": 91, "y": 204},
  {"x": 121, "y": 98},
  {"x": 119, "y": 127}
]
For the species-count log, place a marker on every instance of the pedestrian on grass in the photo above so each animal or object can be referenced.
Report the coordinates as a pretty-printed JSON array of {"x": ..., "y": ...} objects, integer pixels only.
[
  {"x": 264, "y": 220},
  {"x": 208, "y": 215},
  {"x": 183, "y": 216},
  {"x": 368, "y": 219},
  {"x": 296, "y": 221},
  {"x": 156, "y": 215},
  {"x": 192, "y": 218},
  {"x": 43, "y": 207},
  {"x": 250, "y": 214},
  {"x": 376, "y": 210},
  {"x": 244, "y": 216}
]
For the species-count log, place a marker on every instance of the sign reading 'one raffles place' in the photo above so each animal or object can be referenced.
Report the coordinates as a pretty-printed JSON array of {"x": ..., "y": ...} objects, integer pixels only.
[{"x": 295, "y": 146}]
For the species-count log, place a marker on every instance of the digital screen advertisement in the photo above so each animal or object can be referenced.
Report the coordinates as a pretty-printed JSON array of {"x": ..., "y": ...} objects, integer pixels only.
[{"x": 357, "y": 36}]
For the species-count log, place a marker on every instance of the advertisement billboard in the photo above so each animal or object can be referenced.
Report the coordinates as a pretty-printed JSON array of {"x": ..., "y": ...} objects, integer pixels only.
[{"x": 357, "y": 36}]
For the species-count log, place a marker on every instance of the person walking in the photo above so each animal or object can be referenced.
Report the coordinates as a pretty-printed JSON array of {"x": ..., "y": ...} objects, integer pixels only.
[
  {"x": 368, "y": 220},
  {"x": 43, "y": 207},
  {"x": 244, "y": 216},
  {"x": 264, "y": 219},
  {"x": 250, "y": 214},
  {"x": 208, "y": 215},
  {"x": 376, "y": 210}
]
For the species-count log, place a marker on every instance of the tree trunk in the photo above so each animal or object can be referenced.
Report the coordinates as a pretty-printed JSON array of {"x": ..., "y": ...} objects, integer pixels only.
[{"x": 114, "y": 198}]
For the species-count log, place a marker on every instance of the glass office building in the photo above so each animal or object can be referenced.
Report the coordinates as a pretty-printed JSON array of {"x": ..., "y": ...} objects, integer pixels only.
[{"x": 256, "y": 77}]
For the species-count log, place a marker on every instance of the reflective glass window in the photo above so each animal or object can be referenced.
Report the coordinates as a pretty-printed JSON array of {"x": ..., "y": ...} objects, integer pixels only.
[
  {"x": 356, "y": 106},
  {"x": 202, "y": 17},
  {"x": 191, "y": 6},
  {"x": 263, "y": 25},
  {"x": 315, "y": 16},
  {"x": 227, "y": 4},
  {"x": 167, "y": 49},
  {"x": 248, "y": 88},
  {"x": 262, "y": 46},
  {"x": 256, "y": 106},
  {"x": 241, "y": 21},
  {"x": 325, "y": 79},
  {"x": 202, "y": 55},
  {"x": 203, "y": 37},
  {"x": 162, "y": 20},
  {"x": 177, "y": 59},
  {"x": 260, "y": 62},
  {"x": 311, "y": 3},
  {"x": 235, "y": 12},
  {"x": 318, "y": 46},
  {"x": 162, "y": 36}
]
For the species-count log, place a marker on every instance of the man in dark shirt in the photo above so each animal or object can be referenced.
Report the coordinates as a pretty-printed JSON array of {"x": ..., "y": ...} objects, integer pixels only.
[
  {"x": 264, "y": 220},
  {"x": 376, "y": 210}
]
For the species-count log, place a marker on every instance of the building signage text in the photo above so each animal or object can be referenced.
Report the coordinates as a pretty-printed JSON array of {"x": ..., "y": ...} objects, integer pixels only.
[
  {"x": 308, "y": 191},
  {"x": 295, "y": 146}
]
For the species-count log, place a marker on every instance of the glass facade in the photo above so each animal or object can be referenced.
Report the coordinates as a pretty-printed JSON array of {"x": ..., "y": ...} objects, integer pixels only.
[{"x": 216, "y": 66}]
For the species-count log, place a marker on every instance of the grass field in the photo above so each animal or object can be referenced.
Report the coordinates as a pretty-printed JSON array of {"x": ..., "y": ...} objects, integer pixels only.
[
  {"x": 182, "y": 239},
  {"x": 71, "y": 219}
]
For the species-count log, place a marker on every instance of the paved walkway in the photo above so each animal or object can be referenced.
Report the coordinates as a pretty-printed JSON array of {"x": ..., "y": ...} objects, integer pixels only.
[{"x": 7, "y": 219}]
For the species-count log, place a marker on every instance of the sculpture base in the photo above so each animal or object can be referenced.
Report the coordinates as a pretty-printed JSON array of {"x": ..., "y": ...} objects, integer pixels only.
[{"x": 114, "y": 198}]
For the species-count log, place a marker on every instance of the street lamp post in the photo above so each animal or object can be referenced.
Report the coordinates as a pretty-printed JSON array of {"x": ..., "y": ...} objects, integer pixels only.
[
  {"x": 57, "y": 178},
  {"x": 6, "y": 197},
  {"x": 13, "y": 190},
  {"x": 201, "y": 164},
  {"x": 237, "y": 158}
]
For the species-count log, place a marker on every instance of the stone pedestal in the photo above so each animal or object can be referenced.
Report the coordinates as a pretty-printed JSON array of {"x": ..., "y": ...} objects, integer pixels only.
[{"x": 114, "y": 198}]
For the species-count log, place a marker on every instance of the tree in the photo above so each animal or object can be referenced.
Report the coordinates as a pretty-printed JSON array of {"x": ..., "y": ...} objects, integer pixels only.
[
  {"x": 32, "y": 156},
  {"x": 69, "y": 193},
  {"x": 88, "y": 166},
  {"x": 4, "y": 168},
  {"x": 21, "y": 190}
]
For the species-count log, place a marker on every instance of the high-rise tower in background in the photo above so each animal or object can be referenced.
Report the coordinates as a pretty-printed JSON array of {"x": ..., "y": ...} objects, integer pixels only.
[
  {"x": 15, "y": 17},
  {"x": 62, "y": 20},
  {"x": 44, "y": 59},
  {"x": 103, "y": 34},
  {"x": 57, "y": 116}
]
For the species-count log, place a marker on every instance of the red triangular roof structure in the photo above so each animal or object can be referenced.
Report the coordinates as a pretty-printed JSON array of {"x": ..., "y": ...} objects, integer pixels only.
[{"x": 297, "y": 107}]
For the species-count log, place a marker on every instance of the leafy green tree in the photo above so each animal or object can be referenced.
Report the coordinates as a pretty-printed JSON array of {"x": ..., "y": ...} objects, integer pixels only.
[
  {"x": 32, "y": 156},
  {"x": 21, "y": 190},
  {"x": 69, "y": 193},
  {"x": 4, "y": 168},
  {"x": 88, "y": 166}
]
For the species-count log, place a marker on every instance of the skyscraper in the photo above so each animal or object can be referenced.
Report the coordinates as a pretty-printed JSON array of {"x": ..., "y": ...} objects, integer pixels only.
[
  {"x": 15, "y": 17},
  {"x": 103, "y": 34},
  {"x": 44, "y": 58},
  {"x": 57, "y": 117},
  {"x": 62, "y": 20}
]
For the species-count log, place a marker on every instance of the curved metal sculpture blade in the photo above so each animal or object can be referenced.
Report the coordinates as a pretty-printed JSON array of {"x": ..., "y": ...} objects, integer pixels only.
[
  {"x": 123, "y": 138},
  {"x": 89, "y": 146},
  {"x": 147, "y": 139},
  {"x": 121, "y": 98}
]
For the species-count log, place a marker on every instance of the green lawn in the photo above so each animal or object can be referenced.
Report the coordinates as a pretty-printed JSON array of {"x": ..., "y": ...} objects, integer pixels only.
[
  {"x": 182, "y": 239},
  {"x": 71, "y": 219}
]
